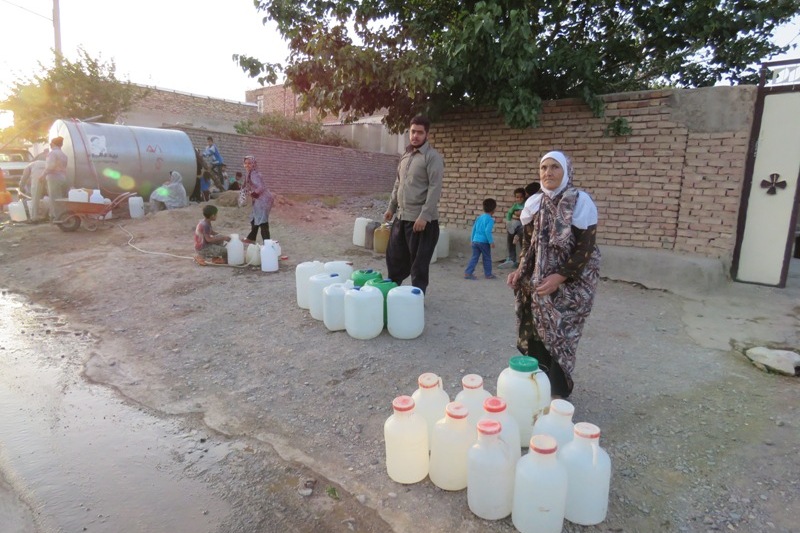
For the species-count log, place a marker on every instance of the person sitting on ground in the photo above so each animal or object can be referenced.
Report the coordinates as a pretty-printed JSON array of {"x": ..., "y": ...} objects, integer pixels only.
[
  {"x": 513, "y": 228},
  {"x": 205, "y": 186},
  {"x": 234, "y": 184},
  {"x": 171, "y": 195},
  {"x": 482, "y": 241},
  {"x": 208, "y": 244}
]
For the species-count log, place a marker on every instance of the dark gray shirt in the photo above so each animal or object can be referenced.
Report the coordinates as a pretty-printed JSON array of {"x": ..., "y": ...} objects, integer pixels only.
[{"x": 418, "y": 185}]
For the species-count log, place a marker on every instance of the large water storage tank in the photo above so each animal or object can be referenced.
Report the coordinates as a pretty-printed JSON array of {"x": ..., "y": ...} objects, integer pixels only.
[{"x": 116, "y": 158}]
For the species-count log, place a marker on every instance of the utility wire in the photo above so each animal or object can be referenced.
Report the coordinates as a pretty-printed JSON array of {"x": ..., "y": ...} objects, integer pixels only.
[{"x": 26, "y": 9}]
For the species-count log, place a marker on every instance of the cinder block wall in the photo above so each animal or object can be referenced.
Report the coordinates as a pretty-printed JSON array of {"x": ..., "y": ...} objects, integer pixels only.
[
  {"x": 302, "y": 168},
  {"x": 673, "y": 184}
]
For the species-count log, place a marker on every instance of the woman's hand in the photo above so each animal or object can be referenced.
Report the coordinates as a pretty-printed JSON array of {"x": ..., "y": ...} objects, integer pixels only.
[
  {"x": 254, "y": 195},
  {"x": 512, "y": 279},
  {"x": 550, "y": 284}
]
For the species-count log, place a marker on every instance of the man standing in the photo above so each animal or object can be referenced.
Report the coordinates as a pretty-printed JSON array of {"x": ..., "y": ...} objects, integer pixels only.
[
  {"x": 217, "y": 163},
  {"x": 414, "y": 201},
  {"x": 32, "y": 183},
  {"x": 55, "y": 174}
]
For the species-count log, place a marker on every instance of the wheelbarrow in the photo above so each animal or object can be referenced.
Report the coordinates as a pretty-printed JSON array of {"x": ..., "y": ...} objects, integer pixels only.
[{"x": 87, "y": 214}]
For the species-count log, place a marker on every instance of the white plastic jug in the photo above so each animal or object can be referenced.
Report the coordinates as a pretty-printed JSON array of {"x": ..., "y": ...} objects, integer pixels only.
[
  {"x": 588, "y": 476},
  {"x": 269, "y": 259},
  {"x": 495, "y": 409},
  {"x": 96, "y": 197},
  {"x": 16, "y": 211},
  {"x": 490, "y": 474},
  {"x": 363, "y": 312},
  {"x": 451, "y": 439},
  {"x": 540, "y": 489},
  {"x": 316, "y": 284},
  {"x": 557, "y": 422},
  {"x": 301, "y": 274},
  {"x": 235, "y": 250},
  {"x": 333, "y": 306},
  {"x": 359, "y": 230},
  {"x": 443, "y": 244},
  {"x": 431, "y": 399},
  {"x": 275, "y": 245},
  {"x": 252, "y": 255},
  {"x": 343, "y": 268},
  {"x": 77, "y": 195},
  {"x": 523, "y": 392},
  {"x": 406, "y": 437},
  {"x": 110, "y": 213},
  {"x": 473, "y": 395},
  {"x": 136, "y": 206},
  {"x": 405, "y": 312}
]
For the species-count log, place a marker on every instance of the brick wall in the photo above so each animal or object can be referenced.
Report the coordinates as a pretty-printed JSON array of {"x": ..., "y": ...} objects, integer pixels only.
[
  {"x": 281, "y": 100},
  {"x": 673, "y": 184},
  {"x": 301, "y": 168}
]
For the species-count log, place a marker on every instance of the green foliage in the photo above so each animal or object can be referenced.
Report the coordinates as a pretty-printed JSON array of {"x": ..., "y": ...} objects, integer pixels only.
[
  {"x": 290, "y": 129},
  {"x": 81, "y": 89},
  {"x": 412, "y": 56},
  {"x": 618, "y": 127}
]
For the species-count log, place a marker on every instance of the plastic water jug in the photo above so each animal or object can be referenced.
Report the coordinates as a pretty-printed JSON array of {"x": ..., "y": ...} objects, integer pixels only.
[
  {"x": 540, "y": 489},
  {"x": 136, "y": 206},
  {"x": 588, "y": 476},
  {"x": 343, "y": 268},
  {"x": 96, "y": 197},
  {"x": 380, "y": 238},
  {"x": 316, "y": 284},
  {"x": 495, "y": 408},
  {"x": 77, "y": 195},
  {"x": 557, "y": 422},
  {"x": 301, "y": 274},
  {"x": 360, "y": 277},
  {"x": 333, "y": 306},
  {"x": 473, "y": 395},
  {"x": 275, "y": 245},
  {"x": 431, "y": 399},
  {"x": 490, "y": 474},
  {"x": 433, "y": 257},
  {"x": 252, "y": 255},
  {"x": 363, "y": 312},
  {"x": 358, "y": 230},
  {"x": 16, "y": 211},
  {"x": 110, "y": 213},
  {"x": 383, "y": 285},
  {"x": 443, "y": 244},
  {"x": 235, "y": 250},
  {"x": 451, "y": 439},
  {"x": 524, "y": 393},
  {"x": 369, "y": 233},
  {"x": 269, "y": 259},
  {"x": 405, "y": 312},
  {"x": 406, "y": 437}
]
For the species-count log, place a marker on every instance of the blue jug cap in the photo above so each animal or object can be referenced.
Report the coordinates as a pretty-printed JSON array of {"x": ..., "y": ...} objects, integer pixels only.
[
  {"x": 334, "y": 275},
  {"x": 415, "y": 291}
]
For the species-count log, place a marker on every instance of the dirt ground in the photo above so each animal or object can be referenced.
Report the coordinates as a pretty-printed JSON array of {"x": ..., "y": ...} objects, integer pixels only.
[{"x": 700, "y": 440}]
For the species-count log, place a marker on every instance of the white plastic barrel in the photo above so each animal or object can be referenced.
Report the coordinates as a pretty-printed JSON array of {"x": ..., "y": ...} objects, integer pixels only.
[
  {"x": 406, "y": 437},
  {"x": 490, "y": 474},
  {"x": 333, "y": 306},
  {"x": 363, "y": 312},
  {"x": 343, "y": 268},
  {"x": 301, "y": 274},
  {"x": 252, "y": 255},
  {"x": 557, "y": 422},
  {"x": 495, "y": 409},
  {"x": 405, "y": 312},
  {"x": 275, "y": 245},
  {"x": 316, "y": 284},
  {"x": 136, "y": 206},
  {"x": 540, "y": 489},
  {"x": 588, "y": 476},
  {"x": 16, "y": 211},
  {"x": 519, "y": 387},
  {"x": 450, "y": 442},
  {"x": 269, "y": 259},
  {"x": 235, "y": 250},
  {"x": 359, "y": 230}
]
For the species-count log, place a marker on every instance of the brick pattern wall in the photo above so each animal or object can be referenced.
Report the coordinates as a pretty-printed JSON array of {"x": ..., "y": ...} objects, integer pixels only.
[
  {"x": 301, "y": 168},
  {"x": 662, "y": 187},
  {"x": 281, "y": 100}
]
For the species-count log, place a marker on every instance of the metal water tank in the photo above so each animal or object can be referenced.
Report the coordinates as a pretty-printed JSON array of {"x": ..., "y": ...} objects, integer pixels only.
[{"x": 116, "y": 158}]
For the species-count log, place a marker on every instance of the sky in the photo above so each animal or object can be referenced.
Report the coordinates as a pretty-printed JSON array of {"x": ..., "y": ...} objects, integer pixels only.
[{"x": 183, "y": 45}]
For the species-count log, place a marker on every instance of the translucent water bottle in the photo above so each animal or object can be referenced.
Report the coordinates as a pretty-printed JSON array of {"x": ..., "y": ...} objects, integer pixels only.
[
  {"x": 406, "y": 436},
  {"x": 525, "y": 393},
  {"x": 540, "y": 489},
  {"x": 451, "y": 440},
  {"x": 588, "y": 476},
  {"x": 557, "y": 422},
  {"x": 235, "y": 250},
  {"x": 431, "y": 399},
  {"x": 490, "y": 474},
  {"x": 473, "y": 395},
  {"x": 495, "y": 409}
]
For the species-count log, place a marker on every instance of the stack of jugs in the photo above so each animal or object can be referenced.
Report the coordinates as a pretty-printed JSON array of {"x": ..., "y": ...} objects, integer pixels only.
[
  {"x": 526, "y": 391},
  {"x": 235, "y": 250},
  {"x": 557, "y": 422},
  {"x": 472, "y": 395},
  {"x": 301, "y": 275},
  {"x": 451, "y": 440},
  {"x": 495, "y": 409},
  {"x": 405, "y": 312},
  {"x": 363, "y": 312},
  {"x": 383, "y": 285},
  {"x": 343, "y": 268},
  {"x": 359, "y": 229},
  {"x": 431, "y": 399},
  {"x": 380, "y": 238},
  {"x": 588, "y": 476},
  {"x": 316, "y": 284},
  {"x": 369, "y": 234},
  {"x": 333, "y": 305},
  {"x": 540, "y": 489},
  {"x": 252, "y": 254},
  {"x": 406, "y": 436},
  {"x": 490, "y": 473}
]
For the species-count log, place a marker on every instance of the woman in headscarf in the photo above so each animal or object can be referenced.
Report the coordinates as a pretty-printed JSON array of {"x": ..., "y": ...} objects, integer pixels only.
[
  {"x": 557, "y": 276},
  {"x": 255, "y": 186},
  {"x": 171, "y": 195}
]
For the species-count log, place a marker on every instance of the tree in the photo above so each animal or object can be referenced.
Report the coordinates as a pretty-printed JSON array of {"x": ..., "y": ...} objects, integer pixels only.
[
  {"x": 81, "y": 89},
  {"x": 429, "y": 56}
]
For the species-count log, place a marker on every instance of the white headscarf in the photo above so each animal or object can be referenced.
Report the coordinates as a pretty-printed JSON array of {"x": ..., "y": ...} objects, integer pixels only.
[{"x": 562, "y": 160}]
